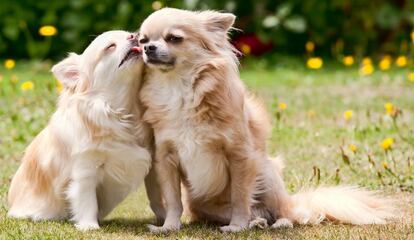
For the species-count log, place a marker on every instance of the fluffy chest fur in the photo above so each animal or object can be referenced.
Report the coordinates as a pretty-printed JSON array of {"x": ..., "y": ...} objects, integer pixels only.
[
  {"x": 172, "y": 109},
  {"x": 90, "y": 128}
]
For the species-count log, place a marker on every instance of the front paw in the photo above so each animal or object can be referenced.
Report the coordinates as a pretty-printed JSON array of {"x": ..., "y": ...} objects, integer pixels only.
[
  {"x": 87, "y": 226},
  {"x": 282, "y": 223},
  {"x": 163, "y": 229},
  {"x": 258, "y": 222},
  {"x": 231, "y": 228}
]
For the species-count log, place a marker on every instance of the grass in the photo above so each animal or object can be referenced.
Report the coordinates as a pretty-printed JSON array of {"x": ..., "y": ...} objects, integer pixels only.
[{"x": 309, "y": 133}]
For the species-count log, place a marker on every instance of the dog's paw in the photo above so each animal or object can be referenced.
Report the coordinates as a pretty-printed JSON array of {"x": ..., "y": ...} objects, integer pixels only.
[
  {"x": 163, "y": 229},
  {"x": 87, "y": 226},
  {"x": 258, "y": 222},
  {"x": 231, "y": 228},
  {"x": 283, "y": 223}
]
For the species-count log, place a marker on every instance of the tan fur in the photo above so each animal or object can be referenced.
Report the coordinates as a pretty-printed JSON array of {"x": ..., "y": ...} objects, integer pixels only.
[
  {"x": 211, "y": 133},
  {"x": 34, "y": 173},
  {"x": 35, "y": 180}
]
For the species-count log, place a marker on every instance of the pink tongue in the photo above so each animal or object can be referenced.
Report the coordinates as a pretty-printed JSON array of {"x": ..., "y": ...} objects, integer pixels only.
[{"x": 136, "y": 49}]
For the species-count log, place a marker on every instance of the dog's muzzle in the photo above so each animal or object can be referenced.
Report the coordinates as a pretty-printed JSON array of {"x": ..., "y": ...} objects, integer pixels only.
[
  {"x": 134, "y": 52},
  {"x": 155, "y": 57}
]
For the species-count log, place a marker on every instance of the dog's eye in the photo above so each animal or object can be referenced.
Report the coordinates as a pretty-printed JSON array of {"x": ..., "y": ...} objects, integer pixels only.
[
  {"x": 173, "y": 39},
  {"x": 111, "y": 46},
  {"x": 143, "y": 40}
]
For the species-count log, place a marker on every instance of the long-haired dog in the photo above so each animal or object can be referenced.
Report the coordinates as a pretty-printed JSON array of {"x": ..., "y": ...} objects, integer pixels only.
[
  {"x": 94, "y": 151},
  {"x": 210, "y": 134}
]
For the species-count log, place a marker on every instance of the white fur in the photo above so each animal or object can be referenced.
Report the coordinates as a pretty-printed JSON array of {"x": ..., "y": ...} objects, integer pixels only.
[
  {"x": 346, "y": 204},
  {"x": 90, "y": 172}
]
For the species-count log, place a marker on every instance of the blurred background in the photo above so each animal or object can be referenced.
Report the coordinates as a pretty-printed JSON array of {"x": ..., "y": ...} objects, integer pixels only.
[
  {"x": 337, "y": 77},
  {"x": 335, "y": 29}
]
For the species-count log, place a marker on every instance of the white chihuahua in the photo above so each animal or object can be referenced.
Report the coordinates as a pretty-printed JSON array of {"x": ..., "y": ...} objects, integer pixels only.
[{"x": 94, "y": 150}]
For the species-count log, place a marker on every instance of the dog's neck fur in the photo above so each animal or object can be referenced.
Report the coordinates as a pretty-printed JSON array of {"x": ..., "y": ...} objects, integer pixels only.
[
  {"x": 116, "y": 93},
  {"x": 108, "y": 110},
  {"x": 197, "y": 87},
  {"x": 120, "y": 94}
]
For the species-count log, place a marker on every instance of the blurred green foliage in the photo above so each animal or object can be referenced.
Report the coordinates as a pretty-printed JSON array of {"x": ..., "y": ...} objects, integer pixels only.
[{"x": 358, "y": 27}]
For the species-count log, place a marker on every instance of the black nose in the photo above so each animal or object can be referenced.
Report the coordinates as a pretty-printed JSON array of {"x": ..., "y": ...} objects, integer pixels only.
[
  {"x": 132, "y": 36},
  {"x": 150, "y": 49}
]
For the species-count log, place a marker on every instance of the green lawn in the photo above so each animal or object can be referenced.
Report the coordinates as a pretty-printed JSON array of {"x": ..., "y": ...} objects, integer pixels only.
[{"x": 309, "y": 133}]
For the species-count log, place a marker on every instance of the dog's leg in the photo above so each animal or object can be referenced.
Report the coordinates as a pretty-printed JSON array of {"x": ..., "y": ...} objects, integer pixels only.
[
  {"x": 166, "y": 162},
  {"x": 82, "y": 195},
  {"x": 276, "y": 199},
  {"x": 242, "y": 175},
  {"x": 154, "y": 195},
  {"x": 110, "y": 193}
]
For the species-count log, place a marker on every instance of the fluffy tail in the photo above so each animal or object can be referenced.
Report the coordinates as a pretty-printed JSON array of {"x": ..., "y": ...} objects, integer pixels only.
[{"x": 344, "y": 204}]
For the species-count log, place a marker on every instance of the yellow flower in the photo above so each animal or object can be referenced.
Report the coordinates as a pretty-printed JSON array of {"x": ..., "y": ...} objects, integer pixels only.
[
  {"x": 59, "y": 86},
  {"x": 366, "y": 61},
  {"x": 28, "y": 85},
  {"x": 401, "y": 61},
  {"x": 389, "y": 108},
  {"x": 387, "y": 143},
  {"x": 310, "y": 46},
  {"x": 348, "y": 60},
  {"x": 353, "y": 148},
  {"x": 412, "y": 36},
  {"x": 366, "y": 70},
  {"x": 156, "y": 5},
  {"x": 411, "y": 77},
  {"x": 385, "y": 63},
  {"x": 245, "y": 49},
  {"x": 9, "y": 63},
  {"x": 282, "y": 106},
  {"x": 315, "y": 63},
  {"x": 47, "y": 31},
  {"x": 384, "y": 165},
  {"x": 348, "y": 114}
]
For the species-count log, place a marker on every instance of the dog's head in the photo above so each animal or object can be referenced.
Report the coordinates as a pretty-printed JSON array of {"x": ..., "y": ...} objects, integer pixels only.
[
  {"x": 111, "y": 59},
  {"x": 172, "y": 38}
]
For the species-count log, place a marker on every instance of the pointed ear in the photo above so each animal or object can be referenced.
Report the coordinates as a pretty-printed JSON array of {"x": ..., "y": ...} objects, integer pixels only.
[
  {"x": 218, "y": 22},
  {"x": 67, "y": 71}
]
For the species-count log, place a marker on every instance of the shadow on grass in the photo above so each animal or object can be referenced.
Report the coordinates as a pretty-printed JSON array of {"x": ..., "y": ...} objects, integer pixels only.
[
  {"x": 195, "y": 229},
  {"x": 117, "y": 225},
  {"x": 139, "y": 226}
]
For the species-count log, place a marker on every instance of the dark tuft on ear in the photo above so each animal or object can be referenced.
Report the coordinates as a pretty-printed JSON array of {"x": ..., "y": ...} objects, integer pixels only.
[
  {"x": 218, "y": 22},
  {"x": 67, "y": 71}
]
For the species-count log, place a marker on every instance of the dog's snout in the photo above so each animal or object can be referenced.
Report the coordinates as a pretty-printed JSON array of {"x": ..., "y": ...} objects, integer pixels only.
[
  {"x": 150, "y": 49},
  {"x": 133, "y": 39}
]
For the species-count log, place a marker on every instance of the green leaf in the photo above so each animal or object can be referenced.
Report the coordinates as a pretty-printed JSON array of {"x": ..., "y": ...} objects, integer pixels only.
[
  {"x": 271, "y": 21},
  {"x": 11, "y": 29},
  {"x": 388, "y": 17},
  {"x": 284, "y": 10},
  {"x": 295, "y": 24}
]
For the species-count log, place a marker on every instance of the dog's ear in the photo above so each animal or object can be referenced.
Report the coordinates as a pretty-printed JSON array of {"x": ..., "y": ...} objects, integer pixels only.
[
  {"x": 67, "y": 71},
  {"x": 218, "y": 22}
]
